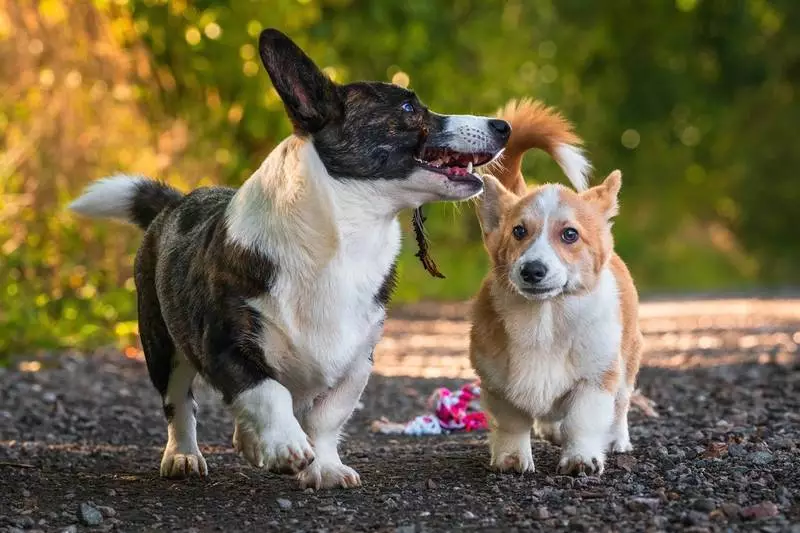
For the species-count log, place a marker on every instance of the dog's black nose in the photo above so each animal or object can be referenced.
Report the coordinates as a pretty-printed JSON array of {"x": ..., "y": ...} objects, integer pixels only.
[
  {"x": 500, "y": 127},
  {"x": 533, "y": 271}
]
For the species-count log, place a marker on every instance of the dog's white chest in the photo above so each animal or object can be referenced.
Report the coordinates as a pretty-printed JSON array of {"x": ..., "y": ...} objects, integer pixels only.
[
  {"x": 330, "y": 320},
  {"x": 559, "y": 343}
]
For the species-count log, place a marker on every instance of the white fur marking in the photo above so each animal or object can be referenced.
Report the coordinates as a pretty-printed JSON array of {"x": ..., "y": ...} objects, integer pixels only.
[
  {"x": 182, "y": 456},
  {"x": 574, "y": 164},
  {"x": 470, "y": 134},
  {"x": 109, "y": 197}
]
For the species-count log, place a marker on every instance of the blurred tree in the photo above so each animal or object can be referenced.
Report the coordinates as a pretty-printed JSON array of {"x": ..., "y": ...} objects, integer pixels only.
[{"x": 695, "y": 100}]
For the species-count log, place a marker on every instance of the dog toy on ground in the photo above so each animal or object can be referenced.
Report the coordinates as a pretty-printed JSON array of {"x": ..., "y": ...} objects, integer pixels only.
[{"x": 451, "y": 411}]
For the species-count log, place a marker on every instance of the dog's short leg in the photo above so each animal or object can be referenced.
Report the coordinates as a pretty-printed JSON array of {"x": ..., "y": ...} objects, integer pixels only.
[
  {"x": 620, "y": 439},
  {"x": 172, "y": 375},
  {"x": 182, "y": 457},
  {"x": 510, "y": 434},
  {"x": 324, "y": 422},
  {"x": 267, "y": 432},
  {"x": 548, "y": 430},
  {"x": 585, "y": 430}
]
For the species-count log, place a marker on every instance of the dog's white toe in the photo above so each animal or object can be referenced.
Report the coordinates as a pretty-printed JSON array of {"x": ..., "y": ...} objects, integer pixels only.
[
  {"x": 515, "y": 461},
  {"x": 622, "y": 446},
  {"x": 178, "y": 465},
  {"x": 322, "y": 475},
  {"x": 572, "y": 463}
]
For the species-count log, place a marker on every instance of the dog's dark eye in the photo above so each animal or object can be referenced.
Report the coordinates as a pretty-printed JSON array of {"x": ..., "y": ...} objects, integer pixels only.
[
  {"x": 519, "y": 232},
  {"x": 408, "y": 107},
  {"x": 569, "y": 235}
]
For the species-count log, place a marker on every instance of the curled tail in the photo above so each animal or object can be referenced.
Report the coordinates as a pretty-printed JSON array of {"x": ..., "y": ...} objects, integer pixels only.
[
  {"x": 132, "y": 199},
  {"x": 534, "y": 125}
]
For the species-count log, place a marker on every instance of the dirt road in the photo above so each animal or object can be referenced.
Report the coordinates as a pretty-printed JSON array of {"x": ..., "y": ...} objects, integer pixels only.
[{"x": 80, "y": 439}]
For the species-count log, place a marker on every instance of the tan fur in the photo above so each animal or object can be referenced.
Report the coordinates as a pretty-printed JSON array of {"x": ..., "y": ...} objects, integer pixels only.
[{"x": 533, "y": 125}]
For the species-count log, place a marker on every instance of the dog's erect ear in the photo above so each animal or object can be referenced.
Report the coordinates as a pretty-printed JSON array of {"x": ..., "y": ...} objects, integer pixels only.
[
  {"x": 310, "y": 97},
  {"x": 492, "y": 203},
  {"x": 605, "y": 195}
]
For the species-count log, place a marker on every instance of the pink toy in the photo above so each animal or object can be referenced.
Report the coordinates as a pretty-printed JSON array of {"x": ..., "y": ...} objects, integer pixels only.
[{"x": 452, "y": 411}]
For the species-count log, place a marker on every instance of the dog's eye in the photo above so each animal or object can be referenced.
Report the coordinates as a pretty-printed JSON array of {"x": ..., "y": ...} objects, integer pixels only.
[
  {"x": 408, "y": 107},
  {"x": 569, "y": 235},
  {"x": 519, "y": 232}
]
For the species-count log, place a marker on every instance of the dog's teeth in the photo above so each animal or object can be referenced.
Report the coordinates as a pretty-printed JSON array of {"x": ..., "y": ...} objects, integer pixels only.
[{"x": 469, "y": 167}]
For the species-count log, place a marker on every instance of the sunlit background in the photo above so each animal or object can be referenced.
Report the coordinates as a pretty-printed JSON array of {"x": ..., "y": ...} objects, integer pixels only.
[{"x": 694, "y": 100}]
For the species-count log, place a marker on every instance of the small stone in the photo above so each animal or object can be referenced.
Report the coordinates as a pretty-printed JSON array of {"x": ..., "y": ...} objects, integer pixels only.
[
  {"x": 737, "y": 450},
  {"x": 111, "y": 492},
  {"x": 107, "y": 511},
  {"x": 704, "y": 504},
  {"x": 69, "y": 529},
  {"x": 626, "y": 462},
  {"x": 541, "y": 513},
  {"x": 327, "y": 508},
  {"x": 762, "y": 510},
  {"x": 26, "y": 493},
  {"x": 570, "y": 510},
  {"x": 696, "y": 518},
  {"x": 89, "y": 515},
  {"x": 284, "y": 504},
  {"x": 731, "y": 510},
  {"x": 760, "y": 458},
  {"x": 468, "y": 515},
  {"x": 390, "y": 503},
  {"x": 309, "y": 490},
  {"x": 25, "y": 522},
  {"x": 431, "y": 484},
  {"x": 643, "y": 504}
]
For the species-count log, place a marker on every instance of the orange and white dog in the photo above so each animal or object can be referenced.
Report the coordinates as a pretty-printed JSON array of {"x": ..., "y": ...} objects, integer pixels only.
[{"x": 555, "y": 336}]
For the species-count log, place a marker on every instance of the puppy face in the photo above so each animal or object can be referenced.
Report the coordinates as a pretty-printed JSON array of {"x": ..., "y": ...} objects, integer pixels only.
[
  {"x": 551, "y": 241},
  {"x": 381, "y": 133}
]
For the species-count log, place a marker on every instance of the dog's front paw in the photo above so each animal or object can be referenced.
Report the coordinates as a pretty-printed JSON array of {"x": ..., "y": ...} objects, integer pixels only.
[
  {"x": 177, "y": 465},
  {"x": 283, "y": 450},
  {"x": 574, "y": 463},
  {"x": 517, "y": 461},
  {"x": 326, "y": 475}
]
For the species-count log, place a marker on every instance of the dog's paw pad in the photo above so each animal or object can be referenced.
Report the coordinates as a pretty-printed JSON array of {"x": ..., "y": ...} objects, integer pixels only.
[
  {"x": 321, "y": 475},
  {"x": 516, "y": 462},
  {"x": 178, "y": 465},
  {"x": 574, "y": 464}
]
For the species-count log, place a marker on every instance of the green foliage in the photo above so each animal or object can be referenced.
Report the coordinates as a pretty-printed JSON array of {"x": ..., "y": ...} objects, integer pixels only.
[{"x": 695, "y": 100}]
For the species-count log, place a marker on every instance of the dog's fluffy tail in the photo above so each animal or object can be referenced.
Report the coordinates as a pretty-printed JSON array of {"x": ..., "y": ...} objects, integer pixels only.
[
  {"x": 534, "y": 125},
  {"x": 129, "y": 198}
]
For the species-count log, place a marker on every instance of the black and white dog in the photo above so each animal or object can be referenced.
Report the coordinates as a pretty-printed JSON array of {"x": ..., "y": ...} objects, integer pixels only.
[{"x": 275, "y": 293}]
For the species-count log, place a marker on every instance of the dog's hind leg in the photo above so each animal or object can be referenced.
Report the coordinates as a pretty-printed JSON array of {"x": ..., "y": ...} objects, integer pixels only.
[
  {"x": 324, "y": 421},
  {"x": 172, "y": 376}
]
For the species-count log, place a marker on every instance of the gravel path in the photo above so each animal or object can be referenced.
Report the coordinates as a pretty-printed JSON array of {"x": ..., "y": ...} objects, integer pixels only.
[{"x": 80, "y": 439}]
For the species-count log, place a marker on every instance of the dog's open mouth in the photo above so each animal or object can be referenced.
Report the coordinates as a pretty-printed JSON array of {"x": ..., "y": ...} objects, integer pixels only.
[{"x": 457, "y": 166}]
